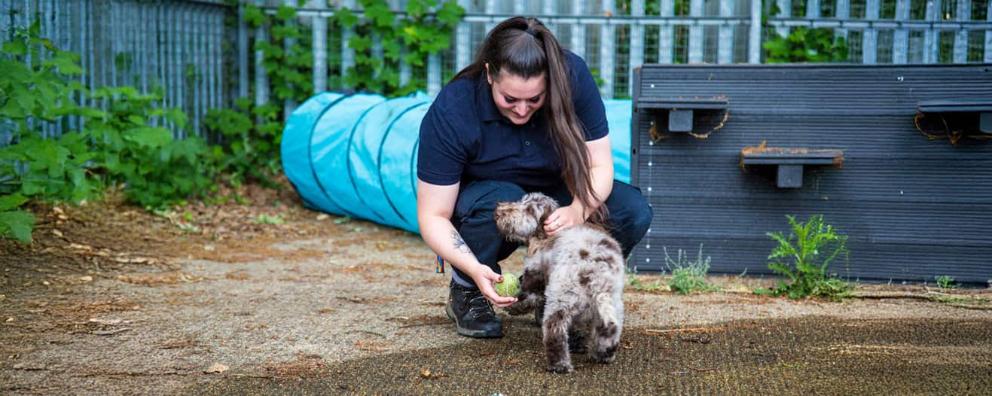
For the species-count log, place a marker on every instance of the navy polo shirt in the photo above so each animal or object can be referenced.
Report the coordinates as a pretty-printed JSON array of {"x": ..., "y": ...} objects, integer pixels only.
[{"x": 464, "y": 138}]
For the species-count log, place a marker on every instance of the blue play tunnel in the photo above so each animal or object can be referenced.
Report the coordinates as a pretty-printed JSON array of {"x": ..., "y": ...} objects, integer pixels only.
[{"x": 356, "y": 154}]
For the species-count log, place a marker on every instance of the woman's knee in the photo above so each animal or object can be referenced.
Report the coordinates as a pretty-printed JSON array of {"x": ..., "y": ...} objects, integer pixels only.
[
  {"x": 480, "y": 198},
  {"x": 629, "y": 210}
]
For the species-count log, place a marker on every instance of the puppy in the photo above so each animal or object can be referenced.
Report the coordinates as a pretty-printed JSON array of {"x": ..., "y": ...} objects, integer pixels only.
[{"x": 578, "y": 273}]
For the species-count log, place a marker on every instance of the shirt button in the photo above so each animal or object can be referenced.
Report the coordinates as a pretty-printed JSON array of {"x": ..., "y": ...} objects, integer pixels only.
[{"x": 527, "y": 142}]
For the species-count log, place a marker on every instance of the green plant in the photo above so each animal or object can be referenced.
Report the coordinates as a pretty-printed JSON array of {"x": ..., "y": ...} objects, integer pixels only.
[
  {"x": 156, "y": 169},
  {"x": 804, "y": 257},
  {"x": 32, "y": 167},
  {"x": 289, "y": 67},
  {"x": 426, "y": 29},
  {"x": 249, "y": 151},
  {"x": 945, "y": 282},
  {"x": 123, "y": 142},
  {"x": 688, "y": 276},
  {"x": 803, "y": 44}
]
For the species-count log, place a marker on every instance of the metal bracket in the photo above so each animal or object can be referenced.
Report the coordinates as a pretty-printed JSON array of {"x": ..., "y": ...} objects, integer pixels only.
[{"x": 791, "y": 162}]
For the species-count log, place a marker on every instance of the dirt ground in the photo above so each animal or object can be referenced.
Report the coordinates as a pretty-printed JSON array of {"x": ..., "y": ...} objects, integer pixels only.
[{"x": 264, "y": 297}]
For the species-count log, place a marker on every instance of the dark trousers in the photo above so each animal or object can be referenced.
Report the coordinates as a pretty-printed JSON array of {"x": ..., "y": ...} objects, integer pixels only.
[{"x": 629, "y": 217}]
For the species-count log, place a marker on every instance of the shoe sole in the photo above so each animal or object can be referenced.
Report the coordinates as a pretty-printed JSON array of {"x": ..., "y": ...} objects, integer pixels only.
[{"x": 469, "y": 332}]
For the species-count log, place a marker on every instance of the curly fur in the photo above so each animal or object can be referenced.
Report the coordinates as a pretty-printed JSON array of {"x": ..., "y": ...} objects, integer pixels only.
[{"x": 576, "y": 275}]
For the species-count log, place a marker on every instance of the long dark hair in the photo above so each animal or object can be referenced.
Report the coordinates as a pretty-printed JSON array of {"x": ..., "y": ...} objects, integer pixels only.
[{"x": 526, "y": 48}]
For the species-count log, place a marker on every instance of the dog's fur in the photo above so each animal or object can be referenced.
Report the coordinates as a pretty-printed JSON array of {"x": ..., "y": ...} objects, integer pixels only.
[{"x": 577, "y": 275}]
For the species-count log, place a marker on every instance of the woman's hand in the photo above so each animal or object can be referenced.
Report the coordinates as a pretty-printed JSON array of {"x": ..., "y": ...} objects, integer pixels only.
[
  {"x": 484, "y": 278},
  {"x": 563, "y": 218}
]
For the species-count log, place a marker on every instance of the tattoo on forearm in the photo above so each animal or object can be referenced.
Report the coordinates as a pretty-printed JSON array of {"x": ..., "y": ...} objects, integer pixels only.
[{"x": 459, "y": 242}]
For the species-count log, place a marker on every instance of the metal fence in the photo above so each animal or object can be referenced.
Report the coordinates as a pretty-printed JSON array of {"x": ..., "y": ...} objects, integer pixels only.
[
  {"x": 174, "y": 46},
  {"x": 201, "y": 61}
]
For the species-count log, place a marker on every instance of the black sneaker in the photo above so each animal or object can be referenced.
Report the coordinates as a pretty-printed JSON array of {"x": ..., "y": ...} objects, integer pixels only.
[{"x": 473, "y": 315}]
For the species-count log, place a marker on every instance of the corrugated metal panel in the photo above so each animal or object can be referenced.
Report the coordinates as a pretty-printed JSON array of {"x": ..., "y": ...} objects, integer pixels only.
[{"x": 913, "y": 208}]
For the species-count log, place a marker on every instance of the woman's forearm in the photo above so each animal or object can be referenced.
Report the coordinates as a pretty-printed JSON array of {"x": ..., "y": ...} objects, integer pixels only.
[
  {"x": 444, "y": 239},
  {"x": 602, "y": 185}
]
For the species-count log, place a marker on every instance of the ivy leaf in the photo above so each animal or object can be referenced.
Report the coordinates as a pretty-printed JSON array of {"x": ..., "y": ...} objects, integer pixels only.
[
  {"x": 450, "y": 13},
  {"x": 254, "y": 16},
  {"x": 346, "y": 17},
  {"x": 359, "y": 43},
  {"x": 380, "y": 14},
  {"x": 18, "y": 224},
  {"x": 285, "y": 12},
  {"x": 418, "y": 8}
]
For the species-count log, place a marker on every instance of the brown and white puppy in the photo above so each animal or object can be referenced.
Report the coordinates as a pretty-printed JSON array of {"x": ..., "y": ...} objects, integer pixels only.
[{"x": 578, "y": 273}]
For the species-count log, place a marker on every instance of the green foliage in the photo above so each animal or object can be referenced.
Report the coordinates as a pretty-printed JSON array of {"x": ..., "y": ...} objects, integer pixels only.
[
  {"x": 803, "y": 258},
  {"x": 426, "y": 30},
  {"x": 123, "y": 142},
  {"x": 289, "y": 67},
  {"x": 156, "y": 169},
  {"x": 31, "y": 166},
  {"x": 14, "y": 222},
  {"x": 945, "y": 282},
  {"x": 818, "y": 45},
  {"x": 806, "y": 45},
  {"x": 688, "y": 276},
  {"x": 250, "y": 151}
]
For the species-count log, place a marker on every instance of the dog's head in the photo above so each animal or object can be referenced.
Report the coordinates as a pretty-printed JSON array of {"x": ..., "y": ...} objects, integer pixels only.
[{"x": 521, "y": 220}]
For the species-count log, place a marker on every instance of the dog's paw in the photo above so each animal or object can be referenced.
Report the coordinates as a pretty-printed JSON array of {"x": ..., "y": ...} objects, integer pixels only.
[
  {"x": 561, "y": 368},
  {"x": 603, "y": 358}
]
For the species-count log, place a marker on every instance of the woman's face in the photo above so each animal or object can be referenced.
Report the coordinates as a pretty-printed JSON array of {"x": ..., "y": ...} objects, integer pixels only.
[{"x": 516, "y": 98}]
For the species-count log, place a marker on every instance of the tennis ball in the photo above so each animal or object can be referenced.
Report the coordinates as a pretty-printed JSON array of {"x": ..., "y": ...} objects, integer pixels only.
[{"x": 510, "y": 285}]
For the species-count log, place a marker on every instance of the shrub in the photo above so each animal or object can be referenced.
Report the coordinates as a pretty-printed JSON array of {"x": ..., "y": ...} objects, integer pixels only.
[
  {"x": 688, "y": 276},
  {"x": 804, "y": 256}
]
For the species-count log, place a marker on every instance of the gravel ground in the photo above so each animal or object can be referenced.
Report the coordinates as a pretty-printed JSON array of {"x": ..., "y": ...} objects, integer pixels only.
[{"x": 359, "y": 309}]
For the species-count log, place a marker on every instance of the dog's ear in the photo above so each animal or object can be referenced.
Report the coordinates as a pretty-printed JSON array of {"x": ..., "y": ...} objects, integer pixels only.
[{"x": 540, "y": 205}]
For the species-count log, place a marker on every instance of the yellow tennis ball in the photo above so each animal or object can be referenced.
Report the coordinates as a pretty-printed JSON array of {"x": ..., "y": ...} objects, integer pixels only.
[{"x": 510, "y": 285}]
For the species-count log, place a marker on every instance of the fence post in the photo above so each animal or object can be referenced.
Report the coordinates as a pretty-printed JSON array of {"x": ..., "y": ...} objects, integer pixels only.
[
  {"x": 347, "y": 54},
  {"x": 319, "y": 38},
  {"x": 667, "y": 32},
  {"x": 579, "y": 30},
  {"x": 433, "y": 74},
  {"x": 784, "y": 11},
  {"x": 695, "y": 32},
  {"x": 463, "y": 48},
  {"x": 843, "y": 13},
  {"x": 549, "y": 8},
  {"x": 490, "y": 10},
  {"x": 963, "y": 13},
  {"x": 900, "y": 39},
  {"x": 988, "y": 35},
  {"x": 261, "y": 76},
  {"x": 754, "y": 34},
  {"x": 607, "y": 49},
  {"x": 869, "y": 40},
  {"x": 636, "y": 44},
  {"x": 725, "y": 42},
  {"x": 931, "y": 40},
  {"x": 287, "y": 44}
]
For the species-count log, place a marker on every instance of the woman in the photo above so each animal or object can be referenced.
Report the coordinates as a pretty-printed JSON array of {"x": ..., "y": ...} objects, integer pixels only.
[{"x": 525, "y": 116}]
